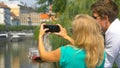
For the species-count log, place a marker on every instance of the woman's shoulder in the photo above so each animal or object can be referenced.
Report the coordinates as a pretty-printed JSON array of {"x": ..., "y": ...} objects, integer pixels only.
[
  {"x": 71, "y": 48},
  {"x": 72, "y": 54},
  {"x": 68, "y": 47}
]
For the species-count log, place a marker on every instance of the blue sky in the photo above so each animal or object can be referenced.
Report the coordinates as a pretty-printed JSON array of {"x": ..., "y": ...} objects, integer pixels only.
[{"x": 29, "y": 2}]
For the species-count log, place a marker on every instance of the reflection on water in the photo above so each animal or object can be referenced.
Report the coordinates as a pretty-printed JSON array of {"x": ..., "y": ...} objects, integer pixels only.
[{"x": 15, "y": 55}]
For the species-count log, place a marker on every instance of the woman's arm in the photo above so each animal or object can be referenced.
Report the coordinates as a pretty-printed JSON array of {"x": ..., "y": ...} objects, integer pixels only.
[
  {"x": 52, "y": 56},
  {"x": 63, "y": 33}
]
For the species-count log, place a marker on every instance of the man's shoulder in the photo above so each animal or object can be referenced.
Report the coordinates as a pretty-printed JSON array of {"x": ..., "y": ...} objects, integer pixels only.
[{"x": 114, "y": 28}]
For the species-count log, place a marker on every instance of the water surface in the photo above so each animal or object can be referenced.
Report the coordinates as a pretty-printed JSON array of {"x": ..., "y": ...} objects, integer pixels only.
[{"x": 15, "y": 55}]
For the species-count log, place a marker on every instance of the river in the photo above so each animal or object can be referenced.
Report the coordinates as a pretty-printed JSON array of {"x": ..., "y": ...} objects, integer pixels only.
[{"x": 15, "y": 55}]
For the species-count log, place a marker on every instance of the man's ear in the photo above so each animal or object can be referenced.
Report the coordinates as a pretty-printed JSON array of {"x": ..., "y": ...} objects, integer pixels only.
[
  {"x": 106, "y": 18},
  {"x": 107, "y": 21}
]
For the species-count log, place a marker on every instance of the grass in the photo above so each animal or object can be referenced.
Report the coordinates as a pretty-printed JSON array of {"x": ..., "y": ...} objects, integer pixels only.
[{"x": 115, "y": 66}]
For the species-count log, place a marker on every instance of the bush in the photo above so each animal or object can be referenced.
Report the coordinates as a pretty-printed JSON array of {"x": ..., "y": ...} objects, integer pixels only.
[{"x": 16, "y": 28}]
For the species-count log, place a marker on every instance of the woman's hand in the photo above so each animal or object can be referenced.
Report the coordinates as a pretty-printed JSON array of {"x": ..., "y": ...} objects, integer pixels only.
[
  {"x": 52, "y": 56},
  {"x": 42, "y": 30},
  {"x": 62, "y": 33}
]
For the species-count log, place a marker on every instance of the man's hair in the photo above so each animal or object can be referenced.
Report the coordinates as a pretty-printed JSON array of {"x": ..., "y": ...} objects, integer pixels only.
[{"x": 106, "y": 8}]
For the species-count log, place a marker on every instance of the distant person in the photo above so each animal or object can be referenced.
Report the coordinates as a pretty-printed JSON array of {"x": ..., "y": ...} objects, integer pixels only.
[
  {"x": 106, "y": 13},
  {"x": 29, "y": 21},
  {"x": 86, "y": 49}
]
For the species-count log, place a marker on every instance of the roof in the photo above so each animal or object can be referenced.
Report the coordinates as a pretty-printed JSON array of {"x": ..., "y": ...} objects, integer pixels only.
[
  {"x": 2, "y": 5},
  {"x": 44, "y": 16}
]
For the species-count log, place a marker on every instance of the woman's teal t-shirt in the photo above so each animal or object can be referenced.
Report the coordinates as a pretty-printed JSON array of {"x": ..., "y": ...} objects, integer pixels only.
[{"x": 72, "y": 57}]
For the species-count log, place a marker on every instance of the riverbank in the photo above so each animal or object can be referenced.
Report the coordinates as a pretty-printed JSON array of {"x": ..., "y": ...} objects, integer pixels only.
[
  {"x": 16, "y": 35},
  {"x": 16, "y": 28}
]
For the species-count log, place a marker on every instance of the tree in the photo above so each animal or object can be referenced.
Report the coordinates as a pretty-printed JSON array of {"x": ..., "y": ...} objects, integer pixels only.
[
  {"x": 43, "y": 5},
  {"x": 59, "y": 6}
]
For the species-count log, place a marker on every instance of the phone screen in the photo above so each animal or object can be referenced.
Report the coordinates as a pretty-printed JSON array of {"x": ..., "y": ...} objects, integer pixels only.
[{"x": 52, "y": 28}]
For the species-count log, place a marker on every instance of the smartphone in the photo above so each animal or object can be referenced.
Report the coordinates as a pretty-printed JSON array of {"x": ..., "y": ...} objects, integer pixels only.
[{"x": 52, "y": 28}]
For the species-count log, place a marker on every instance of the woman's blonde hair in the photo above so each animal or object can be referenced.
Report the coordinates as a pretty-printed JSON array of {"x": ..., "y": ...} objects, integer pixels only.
[{"x": 87, "y": 35}]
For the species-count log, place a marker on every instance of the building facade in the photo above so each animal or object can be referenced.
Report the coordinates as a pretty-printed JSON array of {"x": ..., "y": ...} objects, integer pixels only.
[
  {"x": 28, "y": 16},
  {"x": 18, "y": 14},
  {"x": 14, "y": 6},
  {"x": 5, "y": 17}
]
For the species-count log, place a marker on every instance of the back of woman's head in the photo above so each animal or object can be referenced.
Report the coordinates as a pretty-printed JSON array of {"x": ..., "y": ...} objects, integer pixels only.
[
  {"x": 85, "y": 28},
  {"x": 87, "y": 35}
]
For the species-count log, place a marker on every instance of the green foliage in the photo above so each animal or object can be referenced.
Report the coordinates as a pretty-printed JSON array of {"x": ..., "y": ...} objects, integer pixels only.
[
  {"x": 43, "y": 5},
  {"x": 42, "y": 9},
  {"x": 36, "y": 32},
  {"x": 2, "y": 27},
  {"x": 50, "y": 1},
  {"x": 16, "y": 28},
  {"x": 118, "y": 3},
  {"x": 19, "y": 28},
  {"x": 73, "y": 7},
  {"x": 114, "y": 65},
  {"x": 41, "y": 1},
  {"x": 59, "y": 6}
]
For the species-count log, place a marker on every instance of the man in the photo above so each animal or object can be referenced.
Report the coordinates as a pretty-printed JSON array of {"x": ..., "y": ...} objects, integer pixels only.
[{"x": 106, "y": 13}]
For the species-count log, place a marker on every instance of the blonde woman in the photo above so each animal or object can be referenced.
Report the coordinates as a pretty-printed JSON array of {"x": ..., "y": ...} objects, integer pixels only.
[{"x": 86, "y": 49}]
